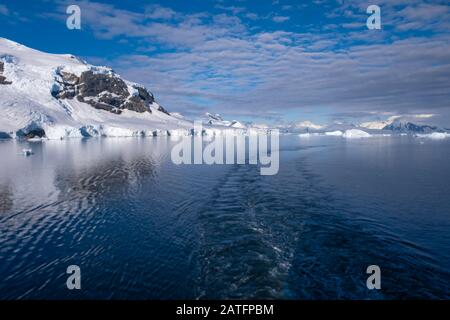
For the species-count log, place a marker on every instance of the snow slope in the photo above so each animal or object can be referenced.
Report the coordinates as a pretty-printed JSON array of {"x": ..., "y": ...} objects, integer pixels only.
[
  {"x": 379, "y": 125},
  {"x": 27, "y": 103}
]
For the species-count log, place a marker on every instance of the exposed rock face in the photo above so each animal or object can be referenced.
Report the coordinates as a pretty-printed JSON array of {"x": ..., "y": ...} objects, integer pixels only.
[
  {"x": 103, "y": 91},
  {"x": 92, "y": 84},
  {"x": 2, "y": 78}
]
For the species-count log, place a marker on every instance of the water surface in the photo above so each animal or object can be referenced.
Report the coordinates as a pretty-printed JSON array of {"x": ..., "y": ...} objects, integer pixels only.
[{"x": 141, "y": 227}]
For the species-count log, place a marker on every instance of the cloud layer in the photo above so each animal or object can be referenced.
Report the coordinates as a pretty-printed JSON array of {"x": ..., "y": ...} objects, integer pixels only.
[{"x": 227, "y": 61}]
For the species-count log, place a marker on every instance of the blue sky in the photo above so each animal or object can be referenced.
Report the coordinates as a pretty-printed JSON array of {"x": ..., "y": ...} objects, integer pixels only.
[{"x": 264, "y": 61}]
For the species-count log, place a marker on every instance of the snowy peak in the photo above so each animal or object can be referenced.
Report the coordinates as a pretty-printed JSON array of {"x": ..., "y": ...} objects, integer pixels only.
[
  {"x": 67, "y": 77},
  {"x": 213, "y": 117},
  {"x": 308, "y": 125},
  {"x": 379, "y": 125},
  {"x": 217, "y": 120},
  {"x": 60, "y": 95}
]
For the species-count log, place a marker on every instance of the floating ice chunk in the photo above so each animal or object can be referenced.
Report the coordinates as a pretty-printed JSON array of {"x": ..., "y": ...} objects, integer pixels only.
[
  {"x": 435, "y": 135},
  {"x": 355, "y": 134},
  {"x": 308, "y": 135},
  {"x": 36, "y": 139},
  {"x": 336, "y": 133},
  {"x": 304, "y": 135}
]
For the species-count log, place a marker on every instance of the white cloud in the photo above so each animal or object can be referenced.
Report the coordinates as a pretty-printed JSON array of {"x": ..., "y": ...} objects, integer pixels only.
[
  {"x": 219, "y": 63},
  {"x": 280, "y": 19},
  {"x": 158, "y": 12},
  {"x": 424, "y": 116}
]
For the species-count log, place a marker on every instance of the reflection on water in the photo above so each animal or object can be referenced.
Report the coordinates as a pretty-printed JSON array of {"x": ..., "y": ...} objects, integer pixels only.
[
  {"x": 6, "y": 201},
  {"x": 140, "y": 227}
]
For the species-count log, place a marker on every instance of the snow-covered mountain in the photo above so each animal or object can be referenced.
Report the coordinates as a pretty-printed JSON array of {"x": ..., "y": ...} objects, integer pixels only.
[
  {"x": 379, "y": 125},
  {"x": 216, "y": 119},
  {"x": 62, "y": 96},
  {"x": 405, "y": 126},
  {"x": 308, "y": 125}
]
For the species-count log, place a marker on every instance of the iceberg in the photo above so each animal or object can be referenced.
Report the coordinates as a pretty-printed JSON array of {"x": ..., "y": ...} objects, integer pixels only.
[
  {"x": 435, "y": 135},
  {"x": 356, "y": 134},
  {"x": 336, "y": 133},
  {"x": 308, "y": 135}
]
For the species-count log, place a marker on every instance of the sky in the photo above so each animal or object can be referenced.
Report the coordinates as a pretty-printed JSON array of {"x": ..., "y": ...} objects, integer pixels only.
[{"x": 264, "y": 61}]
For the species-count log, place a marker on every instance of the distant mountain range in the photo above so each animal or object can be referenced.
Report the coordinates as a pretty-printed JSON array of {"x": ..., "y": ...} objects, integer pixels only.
[
  {"x": 399, "y": 126},
  {"x": 392, "y": 126}
]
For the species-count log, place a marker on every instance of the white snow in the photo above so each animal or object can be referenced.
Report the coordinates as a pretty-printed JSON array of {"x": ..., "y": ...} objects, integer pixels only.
[
  {"x": 379, "y": 125},
  {"x": 177, "y": 115},
  {"x": 336, "y": 133},
  {"x": 308, "y": 134},
  {"x": 28, "y": 102},
  {"x": 237, "y": 124},
  {"x": 217, "y": 120},
  {"x": 355, "y": 134},
  {"x": 435, "y": 135}
]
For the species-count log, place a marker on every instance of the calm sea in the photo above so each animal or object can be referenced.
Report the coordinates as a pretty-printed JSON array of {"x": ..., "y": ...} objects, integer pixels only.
[{"x": 140, "y": 227}]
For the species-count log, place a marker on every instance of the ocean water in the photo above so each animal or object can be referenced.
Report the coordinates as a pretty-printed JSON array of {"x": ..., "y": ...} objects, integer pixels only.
[{"x": 140, "y": 227}]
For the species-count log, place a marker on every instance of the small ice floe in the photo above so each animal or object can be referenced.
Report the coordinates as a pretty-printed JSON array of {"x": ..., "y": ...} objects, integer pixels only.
[
  {"x": 37, "y": 139},
  {"x": 27, "y": 152}
]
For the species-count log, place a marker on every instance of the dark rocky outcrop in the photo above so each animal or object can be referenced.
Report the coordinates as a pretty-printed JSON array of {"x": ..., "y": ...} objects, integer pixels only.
[
  {"x": 136, "y": 103},
  {"x": 92, "y": 84},
  {"x": 161, "y": 109},
  {"x": 3, "y": 78},
  {"x": 103, "y": 91}
]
